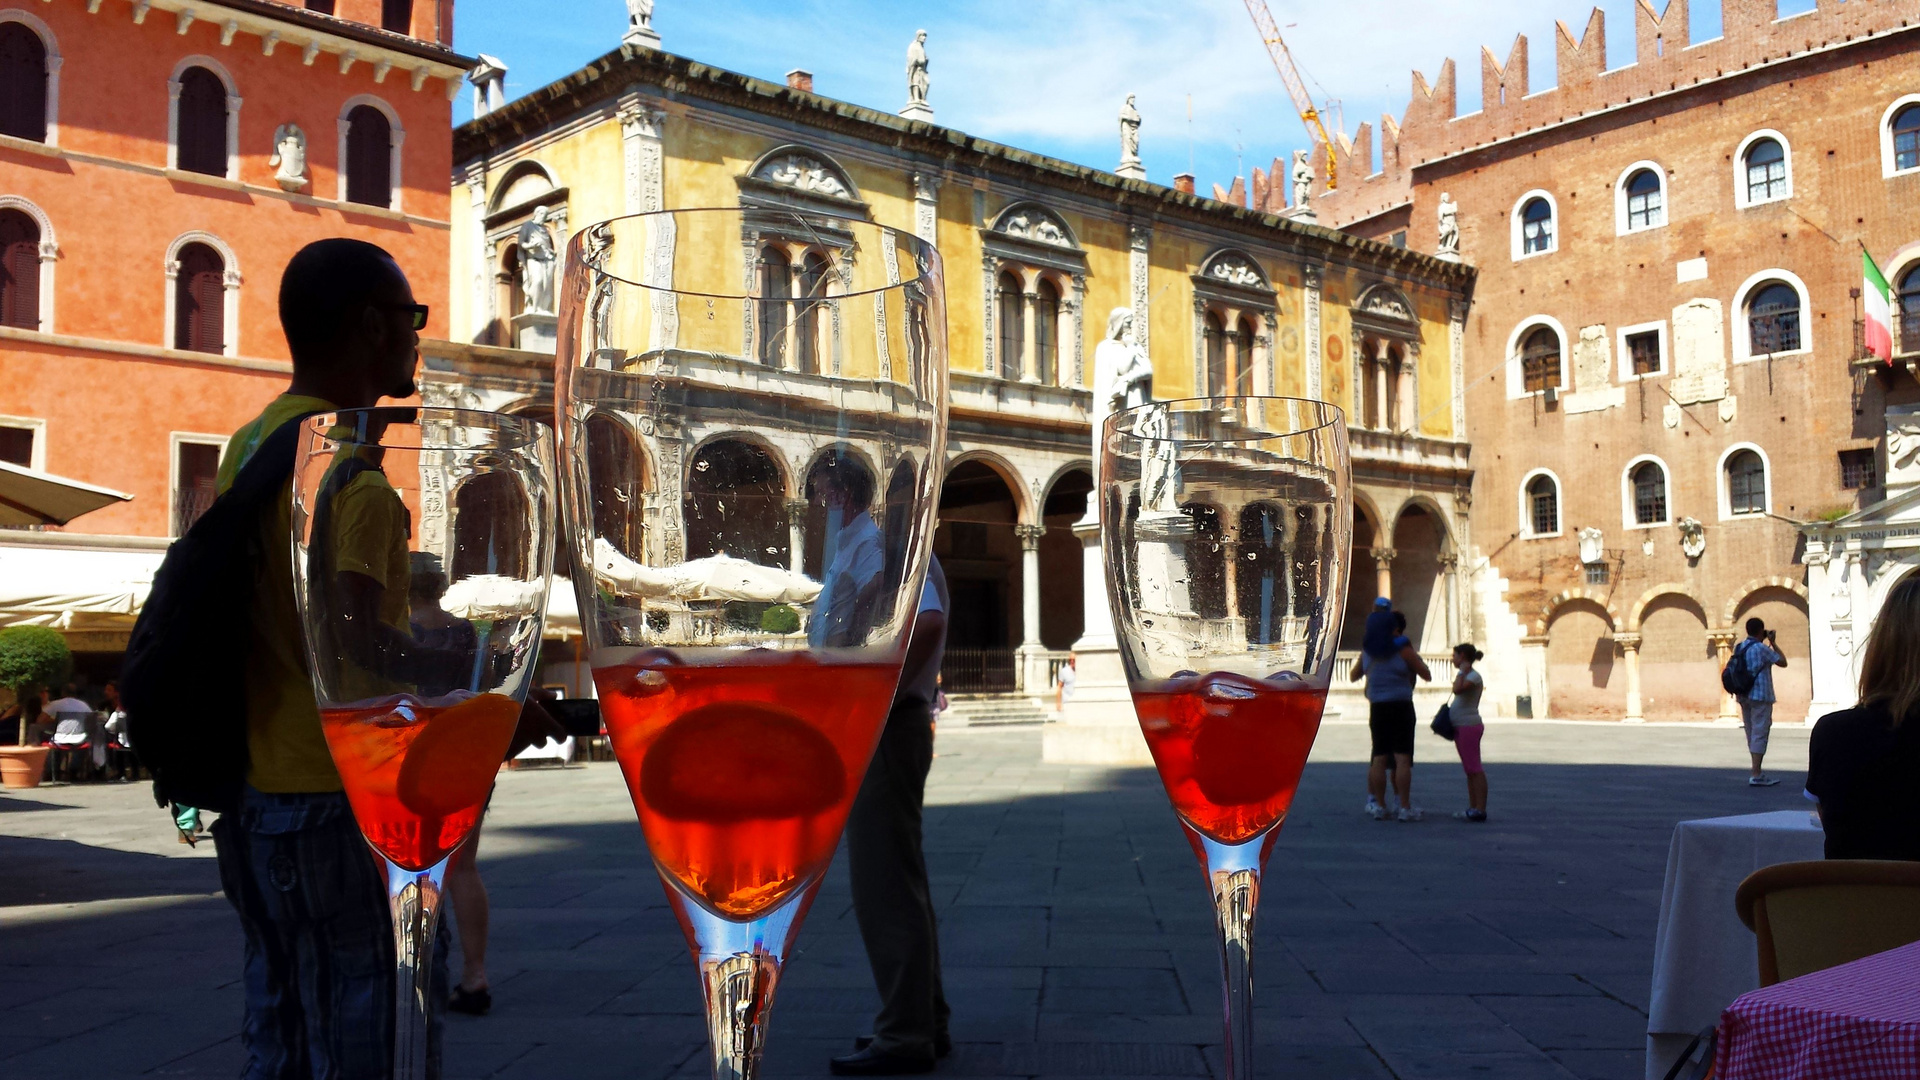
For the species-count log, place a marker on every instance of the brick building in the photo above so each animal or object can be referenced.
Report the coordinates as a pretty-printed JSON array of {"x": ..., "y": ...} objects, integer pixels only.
[
  {"x": 159, "y": 164},
  {"x": 1663, "y": 373}
]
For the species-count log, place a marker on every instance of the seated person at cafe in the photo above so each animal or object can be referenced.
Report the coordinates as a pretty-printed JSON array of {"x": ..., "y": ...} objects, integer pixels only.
[{"x": 1863, "y": 762}]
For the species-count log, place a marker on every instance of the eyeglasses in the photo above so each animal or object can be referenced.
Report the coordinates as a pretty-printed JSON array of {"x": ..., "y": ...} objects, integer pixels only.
[{"x": 418, "y": 311}]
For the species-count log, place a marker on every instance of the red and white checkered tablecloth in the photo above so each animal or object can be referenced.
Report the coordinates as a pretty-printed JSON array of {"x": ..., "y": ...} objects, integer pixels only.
[{"x": 1858, "y": 1021}]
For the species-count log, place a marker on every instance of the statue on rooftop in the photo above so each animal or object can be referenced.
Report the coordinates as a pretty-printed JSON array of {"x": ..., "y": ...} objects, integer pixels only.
[{"x": 918, "y": 80}]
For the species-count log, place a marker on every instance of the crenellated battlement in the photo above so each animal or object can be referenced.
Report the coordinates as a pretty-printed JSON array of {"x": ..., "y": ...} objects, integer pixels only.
[{"x": 1752, "y": 36}]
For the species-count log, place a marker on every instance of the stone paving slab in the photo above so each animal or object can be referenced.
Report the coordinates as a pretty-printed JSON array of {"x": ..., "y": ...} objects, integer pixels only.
[{"x": 1077, "y": 936}]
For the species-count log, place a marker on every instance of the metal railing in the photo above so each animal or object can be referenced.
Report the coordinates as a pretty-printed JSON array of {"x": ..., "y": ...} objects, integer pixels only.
[
  {"x": 1056, "y": 659},
  {"x": 979, "y": 671},
  {"x": 188, "y": 504}
]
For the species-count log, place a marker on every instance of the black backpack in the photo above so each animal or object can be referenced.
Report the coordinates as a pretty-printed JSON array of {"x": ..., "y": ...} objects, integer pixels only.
[
  {"x": 189, "y": 731},
  {"x": 1737, "y": 678}
]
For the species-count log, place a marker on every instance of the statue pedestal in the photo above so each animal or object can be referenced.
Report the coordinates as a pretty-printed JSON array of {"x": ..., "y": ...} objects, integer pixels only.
[
  {"x": 1132, "y": 170},
  {"x": 1098, "y": 725},
  {"x": 918, "y": 110},
  {"x": 645, "y": 37},
  {"x": 536, "y": 331}
]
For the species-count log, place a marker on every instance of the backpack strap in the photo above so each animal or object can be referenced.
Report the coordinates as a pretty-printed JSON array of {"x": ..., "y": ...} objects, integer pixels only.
[{"x": 271, "y": 462}]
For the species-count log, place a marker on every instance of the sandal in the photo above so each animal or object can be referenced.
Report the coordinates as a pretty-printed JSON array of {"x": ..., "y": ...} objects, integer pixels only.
[{"x": 471, "y": 1002}]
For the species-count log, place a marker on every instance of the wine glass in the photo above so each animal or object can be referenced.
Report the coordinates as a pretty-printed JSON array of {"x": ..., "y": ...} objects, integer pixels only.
[
  {"x": 420, "y": 554},
  {"x": 1225, "y": 526},
  {"x": 752, "y": 414}
]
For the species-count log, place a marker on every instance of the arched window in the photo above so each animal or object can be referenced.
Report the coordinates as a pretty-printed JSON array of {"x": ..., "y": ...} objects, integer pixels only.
[
  {"x": 1766, "y": 165},
  {"x": 492, "y": 520},
  {"x": 397, "y": 16},
  {"x": 1215, "y": 338},
  {"x": 1646, "y": 202},
  {"x": 200, "y": 123},
  {"x": 1540, "y": 359},
  {"x": 1909, "y": 313},
  {"x": 1649, "y": 494},
  {"x": 1773, "y": 319},
  {"x": 19, "y": 270},
  {"x": 1046, "y": 331},
  {"x": 1543, "y": 506},
  {"x": 806, "y": 330},
  {"x": 1243, "y": 357},
  {"x": 620, "y": 483},
  {"x": 23, "y": 83},
  {"x": 200, "y": 300},
  {"x": 369, "y": 165},
  {"x": 1536, "y": 227},
  {"x": 1746, "y": 483},
  {"x": 1013, "y": 326},
  {"x": 1906, "y": 139},
  {"x": 776, "y": 286}
]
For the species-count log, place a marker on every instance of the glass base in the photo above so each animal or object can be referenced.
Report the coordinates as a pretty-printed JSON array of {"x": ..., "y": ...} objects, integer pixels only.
[
  {"x": 414, "y": 898},
  {"x": 1233, "y": 875},
  {"x": 740, "y": 965}
]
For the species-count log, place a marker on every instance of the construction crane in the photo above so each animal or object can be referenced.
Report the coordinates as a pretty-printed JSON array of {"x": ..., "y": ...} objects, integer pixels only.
[{"x": 1289, "y": 74}]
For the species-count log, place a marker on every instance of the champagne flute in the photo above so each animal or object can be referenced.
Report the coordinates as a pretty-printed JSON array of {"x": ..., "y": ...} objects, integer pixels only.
[
  {"x": 752, "y": 411},
  {"x": 1225, "y": 525},
  {"x": 420, "y": 553}
]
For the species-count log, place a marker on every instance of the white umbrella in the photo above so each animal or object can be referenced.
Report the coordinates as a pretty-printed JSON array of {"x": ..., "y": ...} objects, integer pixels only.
[
  {"x": 28, "y": 497},
  {"x": 492, "y": 597},
  {"x": 717, "y": 577}
]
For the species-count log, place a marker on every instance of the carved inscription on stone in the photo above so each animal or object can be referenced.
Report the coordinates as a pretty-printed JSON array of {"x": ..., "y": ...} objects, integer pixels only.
[{"x": 1699, "y": 352}]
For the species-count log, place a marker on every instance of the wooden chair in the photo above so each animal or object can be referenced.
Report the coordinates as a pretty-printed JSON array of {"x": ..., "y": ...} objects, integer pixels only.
[{"x": 1809, "y": 916}]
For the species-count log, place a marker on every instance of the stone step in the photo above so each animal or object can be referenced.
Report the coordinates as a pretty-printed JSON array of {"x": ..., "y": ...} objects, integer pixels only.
[{"x": 992, "y": 710}]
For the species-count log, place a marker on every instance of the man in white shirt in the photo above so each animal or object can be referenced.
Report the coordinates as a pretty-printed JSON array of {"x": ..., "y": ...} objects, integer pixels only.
[{"x": 855, "y": 555}]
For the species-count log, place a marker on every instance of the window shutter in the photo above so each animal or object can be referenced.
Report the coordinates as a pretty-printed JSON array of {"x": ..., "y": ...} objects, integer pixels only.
[
  {"x": 19, "y": 270},
  {"x": 200, "y": 301},
  {"x": 369, "y": 157},
  {"x": 23, "y": 83},
  {"x": 201, "y": 126}
]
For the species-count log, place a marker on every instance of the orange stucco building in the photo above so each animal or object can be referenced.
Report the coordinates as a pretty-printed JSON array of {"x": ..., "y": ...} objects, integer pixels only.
[{"x": 160, "y": 162}]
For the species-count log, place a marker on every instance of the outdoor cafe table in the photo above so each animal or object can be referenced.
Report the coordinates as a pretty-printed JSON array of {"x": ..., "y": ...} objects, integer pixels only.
[
  {"x": 1703, "y": 955},
  {"x": 1860, "y": 1021}
]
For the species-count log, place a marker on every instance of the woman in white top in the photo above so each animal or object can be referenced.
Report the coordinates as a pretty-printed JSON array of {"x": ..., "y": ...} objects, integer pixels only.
[{"x": 1464, "y": 710}]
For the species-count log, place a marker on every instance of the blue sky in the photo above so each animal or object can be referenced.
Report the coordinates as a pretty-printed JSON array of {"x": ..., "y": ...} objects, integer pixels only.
[{"x": 1050, "y": 75}]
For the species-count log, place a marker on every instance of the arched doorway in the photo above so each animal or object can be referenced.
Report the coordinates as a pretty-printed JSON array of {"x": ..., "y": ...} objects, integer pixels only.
[
  {"x": 1062, "y": 592},
  {"x": 490, "y": 526},
  {"x": 1419, "y": 591},
  {"x": 620, "y": 483},
  {"x": 1584, "y": 681},
  {"x": 981, "y": 555},
  {"x": 735, "y": 503},
  {"x": 1786, "y": 614},
  {"x": 1679, "y": 675},
  {"x": 1363, "y": 582},
  {"x": 820, "y": 535}
]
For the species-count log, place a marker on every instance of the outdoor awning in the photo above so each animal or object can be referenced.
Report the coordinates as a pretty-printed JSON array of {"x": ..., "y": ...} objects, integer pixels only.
[
  {"x": 71, "y": 589},
  {"x": 28, "y": 497}
]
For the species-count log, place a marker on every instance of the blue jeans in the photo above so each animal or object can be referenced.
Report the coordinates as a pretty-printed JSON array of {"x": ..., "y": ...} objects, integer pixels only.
[{"x": 312, "y": 899}]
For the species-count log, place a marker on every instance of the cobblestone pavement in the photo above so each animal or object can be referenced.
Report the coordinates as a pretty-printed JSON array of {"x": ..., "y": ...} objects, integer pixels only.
[{"x": 1077, "y": 940}]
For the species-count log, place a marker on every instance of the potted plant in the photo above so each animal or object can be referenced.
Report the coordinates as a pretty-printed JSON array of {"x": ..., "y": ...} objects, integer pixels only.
[{"x": 30, "y": 657}]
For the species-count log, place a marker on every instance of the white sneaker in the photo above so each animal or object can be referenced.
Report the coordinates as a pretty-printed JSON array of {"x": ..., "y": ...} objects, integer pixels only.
[
  {"x": 1378, "y": 812},
  {"x": 1411, "y": 813}
]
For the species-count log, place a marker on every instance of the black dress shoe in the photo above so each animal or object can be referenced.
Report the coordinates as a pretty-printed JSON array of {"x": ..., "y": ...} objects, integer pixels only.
[
  {"x": 942, "y": 1045},
  {"x": 868, "y": 1061}
]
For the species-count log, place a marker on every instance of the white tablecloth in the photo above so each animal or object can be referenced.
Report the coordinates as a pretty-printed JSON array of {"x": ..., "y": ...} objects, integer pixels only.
[{"x": 1703, "y": 955}]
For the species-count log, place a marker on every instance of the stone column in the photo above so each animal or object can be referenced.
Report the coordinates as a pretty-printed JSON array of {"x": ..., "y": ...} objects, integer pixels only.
[
  {"x": 1381, "y": 369},
  {"x": 1030, "y": 344},
  {"x": 1630, "y": 649},
  {"x": 643, "y": 160},
  {"x": 1722, "y": 641},
  {"x": 926, "y": 206},
  {"x": 1457, "y": 355},
  {"x": 1098, "y": 726},
  {"x": 797, "y": 535},
  {"x": 480, "y": 315},
  {"x": 1450, "y": 589},
  {"x": 1139, "y": 243},
  {"x": 1310, "y": 278},
  {"x": 1383, "y": 571},
  {"x": 1032, "y": 657}
]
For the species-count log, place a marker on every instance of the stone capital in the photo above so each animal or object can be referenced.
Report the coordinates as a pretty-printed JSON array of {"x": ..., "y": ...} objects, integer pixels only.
[
  {"x": 1383, "y": 555},
  {"x": 797, "y": 511},
  {"x": 1629, "y": 642},
  {"x": 1029, "y": 536}
]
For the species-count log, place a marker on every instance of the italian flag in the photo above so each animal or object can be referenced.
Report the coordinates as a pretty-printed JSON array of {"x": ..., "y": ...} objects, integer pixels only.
[{"x": 1878, "y": 308}]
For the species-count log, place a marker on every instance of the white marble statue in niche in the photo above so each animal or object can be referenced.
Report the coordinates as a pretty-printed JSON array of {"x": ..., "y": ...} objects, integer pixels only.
[
  {"x": 289, "y": 158},
  {"x": 536, "y": 263},
  {"x": 1448, "y": 246}
]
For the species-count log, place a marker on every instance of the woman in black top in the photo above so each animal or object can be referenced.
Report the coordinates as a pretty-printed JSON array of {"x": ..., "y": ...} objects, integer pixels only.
[{"x": 1864, "y": 762}]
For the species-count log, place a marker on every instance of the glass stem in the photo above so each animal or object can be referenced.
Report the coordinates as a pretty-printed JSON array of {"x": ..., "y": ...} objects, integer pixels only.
[
  {"x": 414, "y": 899},
  {"x": 740, "y": 965},
  {"x": 1233, "y": 874}
]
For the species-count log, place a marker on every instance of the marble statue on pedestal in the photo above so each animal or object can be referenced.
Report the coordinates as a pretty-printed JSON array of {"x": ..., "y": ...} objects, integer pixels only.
[
  {"x": 640, "y": 29},
  {"x": 918, "y": 80},
  {"x": 1130, "y": 142},
  {"x": 1302, "y": 182},
  {"x": 1448, "y": 246},
  {"x": 537, "y": 258},
  {"x": 1122, "y": 376}
]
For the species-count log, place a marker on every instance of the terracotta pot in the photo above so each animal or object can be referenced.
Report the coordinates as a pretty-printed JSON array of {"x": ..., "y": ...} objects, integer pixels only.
[{"x": 22, "y": 766}]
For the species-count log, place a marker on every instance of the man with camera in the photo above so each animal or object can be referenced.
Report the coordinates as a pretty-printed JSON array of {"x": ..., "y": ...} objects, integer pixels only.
[{"x": 1757, "y": 656}]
